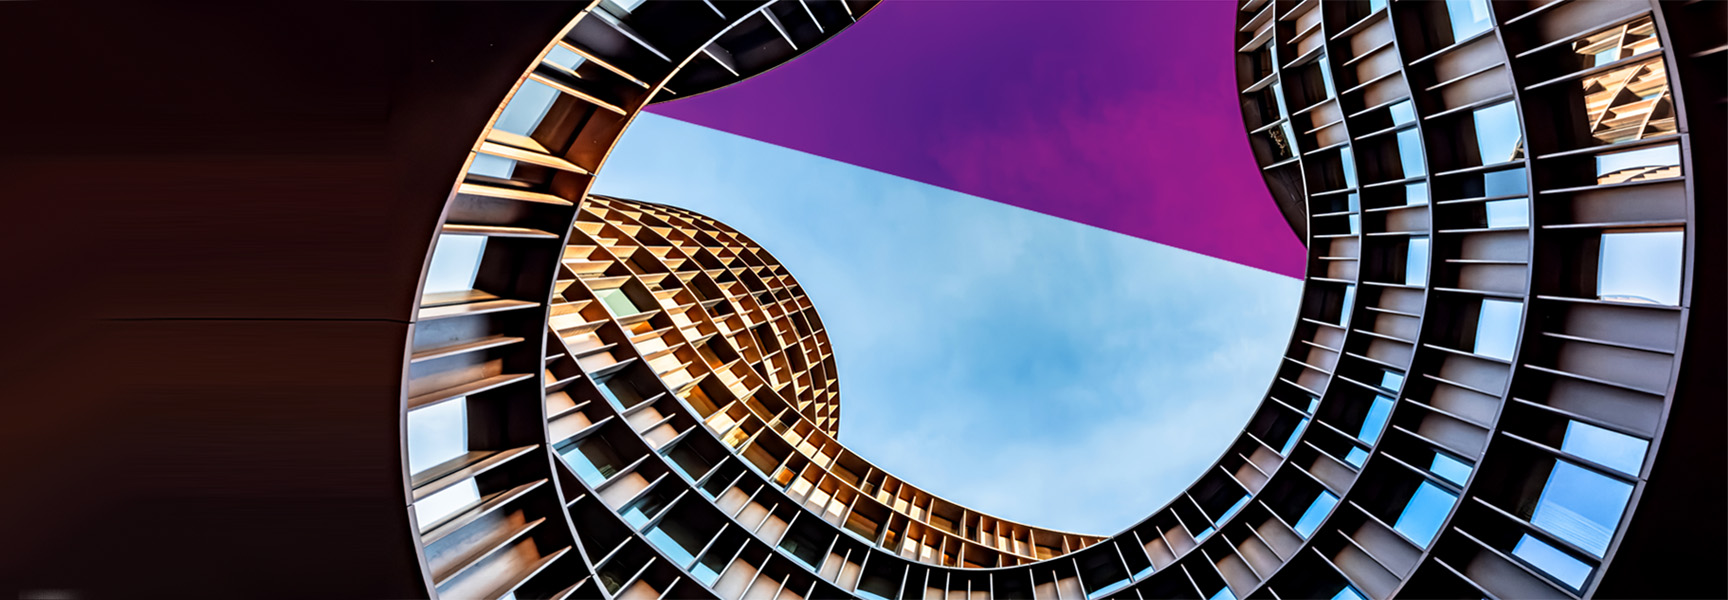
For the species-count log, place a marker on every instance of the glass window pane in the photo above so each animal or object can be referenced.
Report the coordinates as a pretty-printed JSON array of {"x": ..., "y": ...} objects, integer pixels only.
[
  {"x": 1510, "y": 182},
  {"x": 1469, "y": 17},
  {"x": 1317, "y": 510},
  {"x": 1611, "y": 449},
  {"x": 563, "y": 57},
  {"x": 1348, "y": 160},
  {"x": 1643, "y": 267},
  {"x": 1375, "y": 423},
  {"x": 1356, "y": 457},
  {"x": 1410, "y": 153},
  {"x": 1552, "y": 561},
  {"x": 1297, "y": 433},
  {"x": 455, "y": 261},
  {"x": 618, "y": 301},
  {"x": 1416, "y": 262},
  {"x": 1497, "y": 328},
  {"x": 678, "y": 542},
  {"x": 437, "y": 507},
  {"x": 1402, "y": 113},
  {"x": 1508, "y": 213},
  {"x": 1450, "y": 469},
  {"x": 1229, "y": 512},
  {"x": 1644, "y": 163},
  {"x": 1416, "y": 193},
  {"x": 593, "y": 460},
  {"x": 436, "y": 434},
  {"x": 492, "y": 166},
  {"x": 1497, "y": 133},
  {"x": 1423, "y": 514},
  {"x": 526, "y": 108},
  {"x": 1581, "y": 506}
]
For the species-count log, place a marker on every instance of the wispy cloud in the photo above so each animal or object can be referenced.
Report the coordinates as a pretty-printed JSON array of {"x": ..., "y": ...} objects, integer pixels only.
[{"x": 1027, "y": 366}]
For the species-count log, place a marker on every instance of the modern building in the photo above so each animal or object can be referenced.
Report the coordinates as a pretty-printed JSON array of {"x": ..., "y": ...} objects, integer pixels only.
[{"x": 428, "y": 363}]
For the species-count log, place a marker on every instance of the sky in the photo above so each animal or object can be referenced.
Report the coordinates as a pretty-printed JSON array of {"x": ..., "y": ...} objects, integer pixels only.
[{"x": 1033, "y": 367}]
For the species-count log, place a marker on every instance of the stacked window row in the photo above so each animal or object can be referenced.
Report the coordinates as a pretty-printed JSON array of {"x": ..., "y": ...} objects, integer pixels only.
[
  {"x": 482, "y": 484},
  {"x": 1423, "y": 319}
]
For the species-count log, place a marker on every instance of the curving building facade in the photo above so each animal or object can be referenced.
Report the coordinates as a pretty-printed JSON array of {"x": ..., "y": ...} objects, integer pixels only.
[
  {"x": 486, "y": 382},
  {"x": 1472, "y": 403}
]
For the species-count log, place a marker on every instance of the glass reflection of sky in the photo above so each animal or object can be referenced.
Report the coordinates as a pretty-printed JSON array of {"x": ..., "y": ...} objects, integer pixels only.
[{"x": 1641, "y": 266}]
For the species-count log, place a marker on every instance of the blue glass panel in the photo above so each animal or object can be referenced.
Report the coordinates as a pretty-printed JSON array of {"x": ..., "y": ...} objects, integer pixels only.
[
  {"x": 1508, "y": 213},
  {"x": 1204, "y": 533},
  {"x": 1416, "y": 262},
  {"x": 1317, "y": 510},
  {"x": 1552, "y": 561},
  {"x": 1349, "y": 593},
  {"x": 1391, "y": 380},
  {"x": 563, "y": 57},
  {"x": 1402, "y": 113},
  {"x": 1410, "y": 153},
  {"x": 1642, "y": 267},
  {"x": 1611, "y": 449},
  {"x": 1497, "y": 133},
  {"x": 658, "y": 536},
  {"x": 1229, "y": 512},
  {"x": 1143, "y": 572},
  {"x": 1422, "y": 516},
  {"x": 1469, "y": 17},
  {"x": 1355, "y": 223},
  {"x": 1107, "y": 590},
  {"x": 1291, "y": 443},
  {"x": 1450, "y": 469},
  {"x": 1375, "y": 423},
  {"x": 1581, "y": 506},
  {"x": 1504, "y": 183},
  {"x": 1223, "y": 594},
  {"x": 492, "y": 166},
  {"x": 1416, "y": 193},
  {"x": 1348, "y": 159},
  {"x": 1497, "y": 328},
  {"x": 1326, "y": 78},
  {"x": 526, "y": 108},
  {"x": 1313, "y": 403},
  {"x": 1344, "y": 313},
  {"x": 1356, "y": 457}
]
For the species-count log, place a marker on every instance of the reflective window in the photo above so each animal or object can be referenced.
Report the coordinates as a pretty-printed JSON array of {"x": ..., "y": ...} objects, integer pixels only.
[
  {"x": 1402, "y": 113},
  {"x": 492, "y": 166},
  {"x": 677, "y": 541},
  {"x": 708, "y": 569},
  {"x": 1391, "y": 380},
  {"x": 1326, "y": 77},
  {"x": 1223, "y": 593},
  {"x": 1450, "y": 469},
  {"x": 1624, "y": 41},
  {"x": 1410, "y": 153},
  {"x": 1497, "y": 328},
  {"x": 618, "y": 301},
  {"x": 594, "y": 460},
  {"x": 1349, "y": 303},
  {"x": 1422, "y": 516},
  {"x": 527, "y": 108},
  {"x": 1510, "y": 182},
  {"x": 1656, "y": 162},
  {"x": 1553, "y": 561},
  {"x": 1508, "y": 213},
  {"x": 645, "y": 508},
  {"x": 1316, "y": 512},
  {"x": 1611, "y": 449},
  {"x": 1291, "y": 443},
  {"x": 1581, "y": 506},
  {"x": 1375, "y": 422},
  {"x": 1313, "y": 403},
  {"x": 563, "y": 57},
  {"x": 437, "y": 507},
  {"x": 1469, "y": 17},
  {"x": 436, "y": 434},
  {"x": 1641, "y": 266},
  {"x": 1498, "y": 134},
  {"x": 1349, "y": 593},
  {"x": 1230, "y": 512},
  {"x": 1416, "y": 262},
  {"x": 1348, "y": 161},
  {"x": 1416, "y": 193},
  {"x": 1356, "y": 457},
  {"x": 1355, "y": 224},
  {"x": 455, "y": 261},
  {"x": 1629, "y": 103}
]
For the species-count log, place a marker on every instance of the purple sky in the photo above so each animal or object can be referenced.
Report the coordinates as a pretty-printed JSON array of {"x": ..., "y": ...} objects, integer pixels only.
[{"x": 1118, "y": 114}]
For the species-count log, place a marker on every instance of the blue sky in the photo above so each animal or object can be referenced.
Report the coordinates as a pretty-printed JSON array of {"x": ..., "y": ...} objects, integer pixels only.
[{"x": 1027, "y": 366}]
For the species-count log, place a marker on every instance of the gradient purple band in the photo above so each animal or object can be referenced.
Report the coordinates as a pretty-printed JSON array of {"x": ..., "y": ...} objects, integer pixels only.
[{"x": 1122, "y": 115}]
